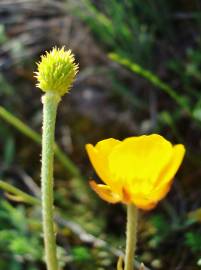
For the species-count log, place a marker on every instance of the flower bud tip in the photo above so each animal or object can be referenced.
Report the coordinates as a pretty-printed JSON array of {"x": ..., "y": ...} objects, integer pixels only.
[{"x": 56, "y": 71}]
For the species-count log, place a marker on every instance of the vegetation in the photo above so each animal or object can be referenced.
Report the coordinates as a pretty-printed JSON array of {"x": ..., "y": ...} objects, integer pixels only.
[{"x": 139, "y": 73}]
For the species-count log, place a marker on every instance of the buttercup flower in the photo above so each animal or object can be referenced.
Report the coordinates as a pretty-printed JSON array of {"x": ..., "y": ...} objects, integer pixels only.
[{"x": 137, "y": 170}]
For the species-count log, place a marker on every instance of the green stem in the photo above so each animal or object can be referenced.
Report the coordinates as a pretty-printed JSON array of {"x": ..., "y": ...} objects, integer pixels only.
[
  {"x": 131, "y": 236},
  {"x": 30, "y": 133},
  {"x": 50, "y": 103}
]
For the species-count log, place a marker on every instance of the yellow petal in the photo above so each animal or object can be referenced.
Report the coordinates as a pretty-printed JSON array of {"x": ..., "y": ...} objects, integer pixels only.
[
  {"x": 144, "y": 204},
  {"x": 105, "y": 192},
  {"x": 164, "y": 181},
  {"x": 98, "y": 156},
  {"x": 171, "y": 168},
  {"x": 137, "y": 161},
  {"x": 160, "y": 192},
  {"x": 148, "y": 202}
]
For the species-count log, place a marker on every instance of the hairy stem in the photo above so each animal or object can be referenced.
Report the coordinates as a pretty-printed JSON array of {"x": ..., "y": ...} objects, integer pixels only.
[
  {"x": 131, "y": 236},
  {"x": 50, "y": 102},
  {"x": 30, "y": 133}
]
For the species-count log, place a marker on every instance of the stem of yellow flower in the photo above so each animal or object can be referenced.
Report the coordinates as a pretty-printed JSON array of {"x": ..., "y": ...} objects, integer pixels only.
[
  {"x": 131, "y": 236},
  {"x": 50, "y": 102}
]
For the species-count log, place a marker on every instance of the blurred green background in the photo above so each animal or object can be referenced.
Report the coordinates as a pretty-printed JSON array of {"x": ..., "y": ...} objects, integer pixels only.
[{"x": 140, "y": 73}]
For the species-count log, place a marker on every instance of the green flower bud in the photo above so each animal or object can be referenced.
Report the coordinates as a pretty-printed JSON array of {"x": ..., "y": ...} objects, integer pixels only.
[{"x": 56, "y": 71}]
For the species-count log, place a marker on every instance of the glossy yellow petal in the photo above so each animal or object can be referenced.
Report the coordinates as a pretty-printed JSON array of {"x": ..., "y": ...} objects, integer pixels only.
[
  {"x": 99, "y": 157},
  {"x": 149, "y": 201},
  {"x": 137, "y": 161},
  {"x": 171, "y": 168},
  {"x": 105, "y": 192},
  {"x": 164, "y": 181},
  {"x": 160, "y": 192},
  {"x": 144, "y": 204},
  {"x": 105, "y": 146}
]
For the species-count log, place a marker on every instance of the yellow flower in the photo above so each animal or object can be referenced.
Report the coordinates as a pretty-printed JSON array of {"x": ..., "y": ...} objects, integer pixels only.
[{"x": 137, "y": 170}]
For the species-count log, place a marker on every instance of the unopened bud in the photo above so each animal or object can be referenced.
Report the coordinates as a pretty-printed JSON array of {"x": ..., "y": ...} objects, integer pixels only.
[{"x": 56, "y": 71}]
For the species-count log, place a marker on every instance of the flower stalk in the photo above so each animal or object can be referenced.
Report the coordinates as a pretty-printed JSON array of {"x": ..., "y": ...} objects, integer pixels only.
[
  {"x": 50, "y": 103},
  {"x": 55, "y": 75},
  {"x": 131, "y": 236}
]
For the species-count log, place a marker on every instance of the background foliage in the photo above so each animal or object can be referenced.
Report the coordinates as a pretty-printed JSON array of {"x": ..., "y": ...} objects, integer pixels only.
[{"x": 140, "y": 70}]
